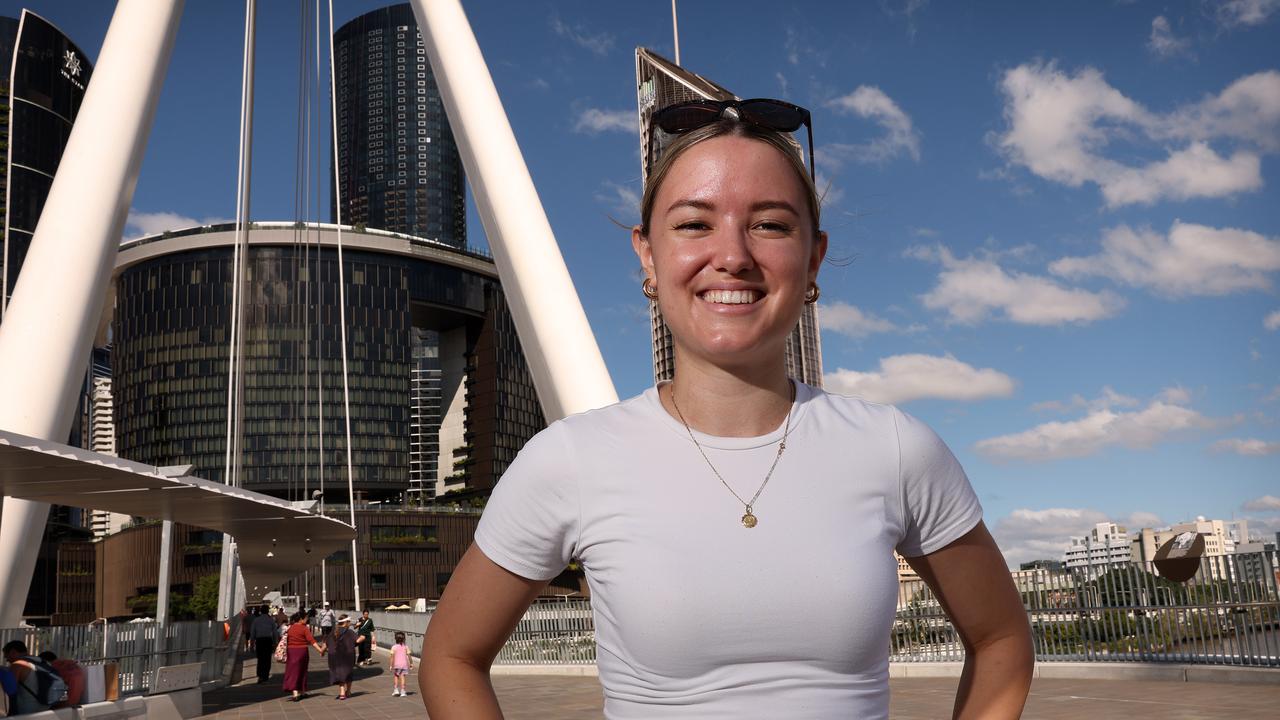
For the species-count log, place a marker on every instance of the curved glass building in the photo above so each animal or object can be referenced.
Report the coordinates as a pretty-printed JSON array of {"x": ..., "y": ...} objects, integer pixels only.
[
  {"x": 399, "y": 167},
  {"x": 40, "y": 95},
  {"x": 440, "y": 394}
]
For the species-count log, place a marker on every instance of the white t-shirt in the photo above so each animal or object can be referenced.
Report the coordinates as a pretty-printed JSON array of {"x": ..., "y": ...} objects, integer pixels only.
[{"x": 697, "y": 616}]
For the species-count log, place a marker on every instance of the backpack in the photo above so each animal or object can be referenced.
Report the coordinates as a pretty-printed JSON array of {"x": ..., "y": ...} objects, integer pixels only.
[{"x": 51, "y": 689}]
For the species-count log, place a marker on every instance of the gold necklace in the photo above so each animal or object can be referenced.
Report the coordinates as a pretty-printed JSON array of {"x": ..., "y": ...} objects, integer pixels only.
[{"x": 749, "y": 519}]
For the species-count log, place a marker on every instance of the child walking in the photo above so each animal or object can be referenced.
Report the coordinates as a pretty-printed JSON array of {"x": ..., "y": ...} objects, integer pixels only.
[{"x": 401, "y": 664}]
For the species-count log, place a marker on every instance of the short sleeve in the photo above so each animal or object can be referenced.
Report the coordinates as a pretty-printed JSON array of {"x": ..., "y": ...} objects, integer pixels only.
[
  {"x": 530, "y": 524},
  {"x": 938, "y": 503}
]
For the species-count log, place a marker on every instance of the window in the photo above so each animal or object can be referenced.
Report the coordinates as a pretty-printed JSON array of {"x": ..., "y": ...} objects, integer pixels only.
[{"x": 378, "y": 581}]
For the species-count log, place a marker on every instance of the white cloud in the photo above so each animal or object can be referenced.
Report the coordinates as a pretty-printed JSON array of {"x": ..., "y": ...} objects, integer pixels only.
[
  {"x": 903, "y": 378},
  {"x": 1163, "y": 42},
  {"x": 1272, "y": 321},
  {"x": 1108, "y": 399},
  {"x": 141, "y": 224},
  {"x": 599, "y": 43},
  {"x": 1234, "y": 13},
  {"x": 1247, "y": 110},
  {"x": 972, "y": 289},
  {"x": 594, "y": 120},
  {"x": 1191, "y": 260},
  {"x": 1024, "y": 534},
  {"x": 1266, "y": 503},
  {"x": 1059, "y": 125},
  {"x": 1247, "y": 446},
  {"x": 924, "y": 232},
  {"x": 906, "y": 9},
  {"x": 1099, "y": 429},
  {"x": 1174, "y": 395},
  {"x": 871, "y": 103},
  {"x": 621, "y": 199},
  {"x": 846, "y": 319}
]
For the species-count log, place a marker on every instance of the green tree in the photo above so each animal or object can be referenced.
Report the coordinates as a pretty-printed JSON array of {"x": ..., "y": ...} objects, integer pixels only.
[{"x": 204, "y": 602}]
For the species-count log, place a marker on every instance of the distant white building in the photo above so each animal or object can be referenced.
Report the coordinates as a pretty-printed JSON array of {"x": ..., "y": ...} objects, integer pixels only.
[
  {"x": 102, "y": 439},
  {"x": 1105, "y": 544},
  {"x": 1220, "y": 537}
]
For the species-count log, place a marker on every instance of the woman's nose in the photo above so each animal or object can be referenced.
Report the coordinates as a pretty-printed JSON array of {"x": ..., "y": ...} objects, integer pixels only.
[{"x": 732, "y": 250}]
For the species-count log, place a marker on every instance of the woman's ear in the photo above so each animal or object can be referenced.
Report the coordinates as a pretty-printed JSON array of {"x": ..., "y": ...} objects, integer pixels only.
[
  {"x": 640, "y": 244},
  {"x": 819, "y": 252}
]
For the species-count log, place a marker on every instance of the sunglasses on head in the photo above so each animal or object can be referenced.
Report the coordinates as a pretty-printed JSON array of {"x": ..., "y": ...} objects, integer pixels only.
[{"x": 769, "y": 114}]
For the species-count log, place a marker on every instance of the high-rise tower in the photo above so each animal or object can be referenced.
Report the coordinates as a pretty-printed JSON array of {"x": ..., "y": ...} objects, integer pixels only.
[
  {"x": 398, "y": 165},
  {"x": 43, "y": 76},
  {"x": 659, "y": 83}
]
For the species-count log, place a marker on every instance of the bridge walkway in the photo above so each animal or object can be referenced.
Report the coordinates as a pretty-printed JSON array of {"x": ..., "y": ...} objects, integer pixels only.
[{"x": 545, "y": 697}]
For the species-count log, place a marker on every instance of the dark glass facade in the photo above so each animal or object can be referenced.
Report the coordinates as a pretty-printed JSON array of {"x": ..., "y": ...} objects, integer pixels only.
[
  {"x": 170, "y": 366},
  {"x": 399, "y": 168},
  {"x": 49, "y": 76}
]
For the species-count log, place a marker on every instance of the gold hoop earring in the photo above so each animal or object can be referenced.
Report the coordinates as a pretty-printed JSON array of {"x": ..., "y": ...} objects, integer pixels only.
[
  {"x": 812, "y": 294},
  {"x": 650, "y": 291}
]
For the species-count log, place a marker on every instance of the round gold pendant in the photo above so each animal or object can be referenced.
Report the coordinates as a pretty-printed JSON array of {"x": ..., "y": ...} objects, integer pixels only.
[{"x": 748, "y": 520}]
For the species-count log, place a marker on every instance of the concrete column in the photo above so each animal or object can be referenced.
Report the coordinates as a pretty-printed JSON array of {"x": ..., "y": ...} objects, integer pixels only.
[
  {"x": 50, "y": 323},
  {"x": 564, "y": 359}
]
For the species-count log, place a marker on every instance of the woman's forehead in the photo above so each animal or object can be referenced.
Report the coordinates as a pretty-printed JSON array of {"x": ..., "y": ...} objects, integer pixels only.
[{"x": 731, "y": 170}]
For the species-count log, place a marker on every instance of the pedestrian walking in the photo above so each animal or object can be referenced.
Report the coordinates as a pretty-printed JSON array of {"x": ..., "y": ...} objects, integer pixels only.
[
  {"x": 366, "y": 639},
  {"x": 401, "y": 666},
  {"x": 264, "y": 634},
  {"x": 342, "y": 656},
  {"x": 326, "y": 621},
  {"x": 297, "y": 657}
]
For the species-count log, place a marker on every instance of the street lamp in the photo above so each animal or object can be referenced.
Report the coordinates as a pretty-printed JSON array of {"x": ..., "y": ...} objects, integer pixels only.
[{"x": 324, "y": 579}]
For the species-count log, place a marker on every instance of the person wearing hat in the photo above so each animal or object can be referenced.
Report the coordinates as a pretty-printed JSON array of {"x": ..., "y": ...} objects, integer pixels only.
[
  {"x": 326, "y": 621},
  {"x": 342, "y": 656}
]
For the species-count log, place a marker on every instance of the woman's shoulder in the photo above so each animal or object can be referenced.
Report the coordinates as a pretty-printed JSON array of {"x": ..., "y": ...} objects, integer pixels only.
[{"x": 849, "y": 407}]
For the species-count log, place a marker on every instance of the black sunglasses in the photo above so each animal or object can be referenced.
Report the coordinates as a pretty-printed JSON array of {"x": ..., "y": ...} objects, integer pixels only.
[{"x": 769, "y": 114}]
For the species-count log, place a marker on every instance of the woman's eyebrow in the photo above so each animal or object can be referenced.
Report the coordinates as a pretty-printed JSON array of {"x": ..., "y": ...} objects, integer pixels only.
[
  {"x": 691, "y": 203},
  {"x": 774, "y": 205}
]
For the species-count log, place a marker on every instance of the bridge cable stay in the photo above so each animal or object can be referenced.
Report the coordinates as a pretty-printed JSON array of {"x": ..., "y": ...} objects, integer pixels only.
[
  {"x": 227, "y": 600},
  {"x": 324, "y": 575},
  {"x": 342, "y": 310}
]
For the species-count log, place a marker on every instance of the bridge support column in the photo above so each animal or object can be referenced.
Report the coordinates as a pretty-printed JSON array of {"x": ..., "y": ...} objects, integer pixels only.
[
  {"x": 50, "y": 323},
  {"x": 564, "y": 359}
]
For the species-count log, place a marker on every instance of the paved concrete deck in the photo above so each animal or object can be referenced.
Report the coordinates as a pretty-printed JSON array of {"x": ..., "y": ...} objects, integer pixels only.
[{"x": 535, "y": 697}]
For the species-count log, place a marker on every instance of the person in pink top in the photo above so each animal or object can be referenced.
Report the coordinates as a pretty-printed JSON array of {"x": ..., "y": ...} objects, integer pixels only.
[{"x": 401, "y": 665}]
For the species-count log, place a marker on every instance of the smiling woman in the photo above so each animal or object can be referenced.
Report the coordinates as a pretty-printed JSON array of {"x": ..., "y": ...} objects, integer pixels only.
[{"x": 736, "y": 527}]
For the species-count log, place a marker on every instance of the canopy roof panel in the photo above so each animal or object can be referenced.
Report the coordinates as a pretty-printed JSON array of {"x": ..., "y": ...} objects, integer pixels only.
[{"x": 276, "y": 539}]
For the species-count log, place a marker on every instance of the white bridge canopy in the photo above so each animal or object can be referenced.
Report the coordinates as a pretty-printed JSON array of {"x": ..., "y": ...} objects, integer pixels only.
[{"x": 43, "y": 471}]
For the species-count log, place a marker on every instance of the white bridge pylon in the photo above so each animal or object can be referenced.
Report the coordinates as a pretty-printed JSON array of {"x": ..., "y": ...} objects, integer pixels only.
[{"x": 51, "y": 320}]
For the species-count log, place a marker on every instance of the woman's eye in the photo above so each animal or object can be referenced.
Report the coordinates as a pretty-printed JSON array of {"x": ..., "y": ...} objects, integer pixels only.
[
  {"x": 692, "y": 225},
  {"x": 772, "y": 226}
]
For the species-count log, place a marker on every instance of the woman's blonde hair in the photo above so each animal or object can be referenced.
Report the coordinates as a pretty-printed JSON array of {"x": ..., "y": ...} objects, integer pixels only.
[{"x": 728, "y": 128}]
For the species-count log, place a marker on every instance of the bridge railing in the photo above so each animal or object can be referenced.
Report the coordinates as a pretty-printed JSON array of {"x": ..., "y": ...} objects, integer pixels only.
[
  {"x": 132, "y": 647},
  {"x": 1228, "y": 614}
]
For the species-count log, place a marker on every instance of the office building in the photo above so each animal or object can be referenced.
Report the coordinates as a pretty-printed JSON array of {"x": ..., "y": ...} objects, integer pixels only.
[
  {"x": 41, "y": 88},
  {"x": 399, "y": 168},
  {"x": 659, "y": 83},
  {"x": 434, "y": 365},
  {"x": 1105, "y": 544},
  {"x": 1220, "y": 537}
]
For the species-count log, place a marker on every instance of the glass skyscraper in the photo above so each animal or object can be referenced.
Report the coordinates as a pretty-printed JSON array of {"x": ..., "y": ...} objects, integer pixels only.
[
  {"x": 399, "y": 168},
  {"x": 440, "y": 392},
  {"x": 42, "y": 85},
  {"x": 659, "y": 83}
]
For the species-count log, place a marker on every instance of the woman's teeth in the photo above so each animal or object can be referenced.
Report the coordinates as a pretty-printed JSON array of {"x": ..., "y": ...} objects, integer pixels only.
[{"x": 731, "y": 297}]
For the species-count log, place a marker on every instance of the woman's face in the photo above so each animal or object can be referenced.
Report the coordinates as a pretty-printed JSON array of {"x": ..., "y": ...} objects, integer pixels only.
[{"x": 731, "y": 250}]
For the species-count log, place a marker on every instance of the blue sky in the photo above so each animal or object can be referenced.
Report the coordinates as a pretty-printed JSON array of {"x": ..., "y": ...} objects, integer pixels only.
[{"x": 1062, "y": 217}]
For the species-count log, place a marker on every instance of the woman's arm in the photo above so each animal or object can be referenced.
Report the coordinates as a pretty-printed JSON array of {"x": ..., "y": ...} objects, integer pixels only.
[
  {"x": 480, "y": 607},
  {"x": 971, "y": 581}
]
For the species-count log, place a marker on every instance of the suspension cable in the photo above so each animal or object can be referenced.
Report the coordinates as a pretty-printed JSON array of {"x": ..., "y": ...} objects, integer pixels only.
[{"x": 342, "y": 308}]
